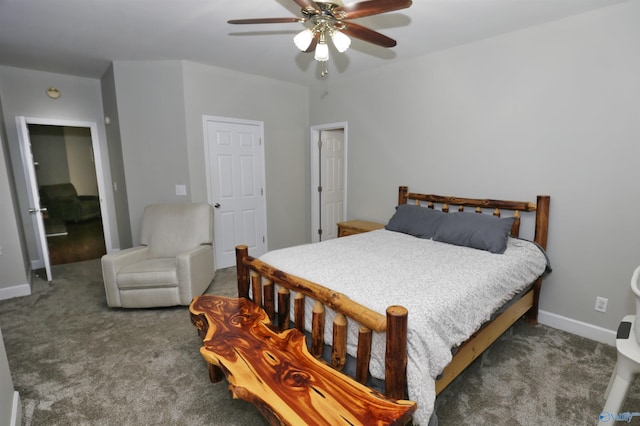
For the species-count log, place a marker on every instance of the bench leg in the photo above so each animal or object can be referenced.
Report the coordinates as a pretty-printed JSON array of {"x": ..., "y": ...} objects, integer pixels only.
[{"x": 215, "y": 373}]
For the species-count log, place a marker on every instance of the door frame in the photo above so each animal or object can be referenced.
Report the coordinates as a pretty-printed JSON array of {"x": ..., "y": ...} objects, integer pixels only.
[
  {"x": 23, "y": 123},
  {"x": 314, "y": 134},
  {"x": 210, "y": 195}
]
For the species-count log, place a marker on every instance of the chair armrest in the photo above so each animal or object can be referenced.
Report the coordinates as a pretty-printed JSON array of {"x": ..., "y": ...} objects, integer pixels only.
[
  {"x": 112, "y": 263},
  {"x": 196, "y": 269}
]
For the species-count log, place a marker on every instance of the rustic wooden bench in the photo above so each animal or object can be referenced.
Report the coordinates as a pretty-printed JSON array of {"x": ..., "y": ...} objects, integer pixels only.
[{"x": 276, "y": 372}]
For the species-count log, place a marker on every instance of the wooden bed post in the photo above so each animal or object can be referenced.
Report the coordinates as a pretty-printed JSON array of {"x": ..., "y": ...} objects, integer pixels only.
[
  {"x": 542, "y": 220},
  {"x": 242, "y": 252},
  {"x": 541, "y": 234},
  {"x": 402, "y": 195},
  {"x": 395, "y": 365}
]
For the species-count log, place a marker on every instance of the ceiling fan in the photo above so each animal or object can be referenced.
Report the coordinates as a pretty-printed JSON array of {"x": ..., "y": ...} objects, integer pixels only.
[{"x": 332, "y": 19}]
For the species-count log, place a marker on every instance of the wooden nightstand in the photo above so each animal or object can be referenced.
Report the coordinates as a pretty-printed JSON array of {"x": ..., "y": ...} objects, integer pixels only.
[{"x": 352, "y": 227}]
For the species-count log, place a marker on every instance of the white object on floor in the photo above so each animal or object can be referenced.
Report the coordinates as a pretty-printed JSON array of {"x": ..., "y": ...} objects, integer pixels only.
[
  {"x": 626, "y": 368},
  {"x": 635, "y": 287}
]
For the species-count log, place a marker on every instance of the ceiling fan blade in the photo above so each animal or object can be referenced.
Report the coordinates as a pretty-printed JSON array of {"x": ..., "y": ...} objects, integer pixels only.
[
  {"x": 266, "y": 20},
  {"x": 307, "y": 5},
  {"x": 370, "y": 7},
  {"x": 363, "y": 33}
]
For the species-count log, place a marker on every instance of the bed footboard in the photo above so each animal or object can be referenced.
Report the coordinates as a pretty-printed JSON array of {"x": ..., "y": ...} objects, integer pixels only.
[{"x": 262, "y": 278}]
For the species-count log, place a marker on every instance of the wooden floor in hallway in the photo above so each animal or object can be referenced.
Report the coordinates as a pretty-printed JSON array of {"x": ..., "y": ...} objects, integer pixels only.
[{"x": 83, "y": 241}]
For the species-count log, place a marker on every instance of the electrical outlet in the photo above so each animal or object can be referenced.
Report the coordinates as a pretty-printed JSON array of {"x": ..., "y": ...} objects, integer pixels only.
[{"x": 601, "y": 304}]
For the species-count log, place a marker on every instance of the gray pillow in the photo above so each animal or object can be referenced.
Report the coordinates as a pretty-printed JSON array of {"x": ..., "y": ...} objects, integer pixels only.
[
  {"x": 418, "y": 221},
  {"x": 480, "y": 231}
]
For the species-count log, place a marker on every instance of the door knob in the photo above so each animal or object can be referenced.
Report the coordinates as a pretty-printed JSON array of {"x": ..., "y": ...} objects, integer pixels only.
[{"x": 216, "y": 205}]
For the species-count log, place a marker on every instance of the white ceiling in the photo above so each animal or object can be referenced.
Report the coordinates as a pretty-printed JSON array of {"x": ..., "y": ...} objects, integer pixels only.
[{"x": 81, "y": 37}]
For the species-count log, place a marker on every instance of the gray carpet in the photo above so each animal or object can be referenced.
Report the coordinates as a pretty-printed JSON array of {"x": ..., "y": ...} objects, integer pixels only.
[{"x": 77, "y": 362}]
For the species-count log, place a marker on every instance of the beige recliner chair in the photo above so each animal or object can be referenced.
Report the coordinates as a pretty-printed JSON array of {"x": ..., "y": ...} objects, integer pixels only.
[{"x": 173, "y": 264}]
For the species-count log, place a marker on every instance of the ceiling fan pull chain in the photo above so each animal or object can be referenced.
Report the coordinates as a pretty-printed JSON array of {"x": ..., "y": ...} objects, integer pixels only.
[{"x": 325, "y": 70}]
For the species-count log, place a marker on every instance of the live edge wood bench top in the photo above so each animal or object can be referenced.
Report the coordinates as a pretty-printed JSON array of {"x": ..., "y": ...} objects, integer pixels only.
[{"x": 275, "y": 371}]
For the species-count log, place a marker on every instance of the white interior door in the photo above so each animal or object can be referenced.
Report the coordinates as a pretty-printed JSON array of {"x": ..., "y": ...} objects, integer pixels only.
[
  {"x": 235, "y": 175},
  {"x": 328, "y": 180},
  {"x": 34, "y": 196}
]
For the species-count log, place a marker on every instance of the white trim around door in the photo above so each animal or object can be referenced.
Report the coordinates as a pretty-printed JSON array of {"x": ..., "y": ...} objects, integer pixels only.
[{"x": 23, "y": 133}]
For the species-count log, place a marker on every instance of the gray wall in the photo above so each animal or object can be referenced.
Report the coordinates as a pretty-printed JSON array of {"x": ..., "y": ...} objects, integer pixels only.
[
  {"x": 118, "y": 181},
  {"x": 49, "y": 151},
  {"x": 150, "y": 104},
  {"x": 7, "y": 393},
  {"x": 79, "y": 153},
  {"x": 550, "y": 110},
  {"x": 283, "y": 109},
  {"x": 14, "y": 260},
  {"x": 13, "y": 278},
  {"x": 163, "y": 141}
]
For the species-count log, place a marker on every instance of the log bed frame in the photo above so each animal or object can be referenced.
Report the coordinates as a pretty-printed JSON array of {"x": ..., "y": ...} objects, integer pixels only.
[{"x": 262, "y": 278}]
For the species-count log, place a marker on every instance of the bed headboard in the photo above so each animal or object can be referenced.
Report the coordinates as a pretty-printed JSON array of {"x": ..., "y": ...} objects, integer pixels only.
[{"x": 540, "y": 207}]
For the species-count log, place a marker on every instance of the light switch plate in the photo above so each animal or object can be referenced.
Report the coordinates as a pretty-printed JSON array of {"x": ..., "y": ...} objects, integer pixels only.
[{"x": 181, "y": 189}]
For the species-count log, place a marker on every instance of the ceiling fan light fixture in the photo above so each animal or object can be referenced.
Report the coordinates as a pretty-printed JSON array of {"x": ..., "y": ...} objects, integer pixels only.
[
  {"x": 322, "y": 52},
  {"x": 340, "y": 40},
  {"x": 332, "y": 18},
  {"x": 303, "y": 39},
  {"x": 322, "y": 49}
]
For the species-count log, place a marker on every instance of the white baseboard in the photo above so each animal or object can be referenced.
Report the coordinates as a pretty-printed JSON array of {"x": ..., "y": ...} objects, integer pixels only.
[
  {"x": 15, "y": 291},
  {"x": 579, "y": 328},
  {"x": 16, "y": 415}
]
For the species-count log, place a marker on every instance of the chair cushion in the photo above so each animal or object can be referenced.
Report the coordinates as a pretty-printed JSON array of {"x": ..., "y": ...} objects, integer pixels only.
[
  {"x": 150, "y": 273},
  {"x": 171, "y": 229}
]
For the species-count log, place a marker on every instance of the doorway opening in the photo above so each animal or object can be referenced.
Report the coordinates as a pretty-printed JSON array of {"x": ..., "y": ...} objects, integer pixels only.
[
  {"x": 68, "y": 188},
  {"x": 78, "y": 143},
  {"x": 328, "y": 179}
]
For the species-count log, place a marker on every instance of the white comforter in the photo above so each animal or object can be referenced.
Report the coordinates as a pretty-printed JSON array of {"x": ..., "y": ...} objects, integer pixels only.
[{"x": 449, "y": 292}]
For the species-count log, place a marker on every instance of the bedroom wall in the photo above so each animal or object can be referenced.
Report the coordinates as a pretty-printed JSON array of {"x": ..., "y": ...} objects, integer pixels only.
[
  {"x": 150, "y": 105},
  {"x": 548, "y": 110},
  {"x": 118, "y": 182},
  {"x": 282, "y": 107},
  {"x": 163, "y": 141},
  {"x": 10, "y": 405},
  {"x": 14, "y": 260}
]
